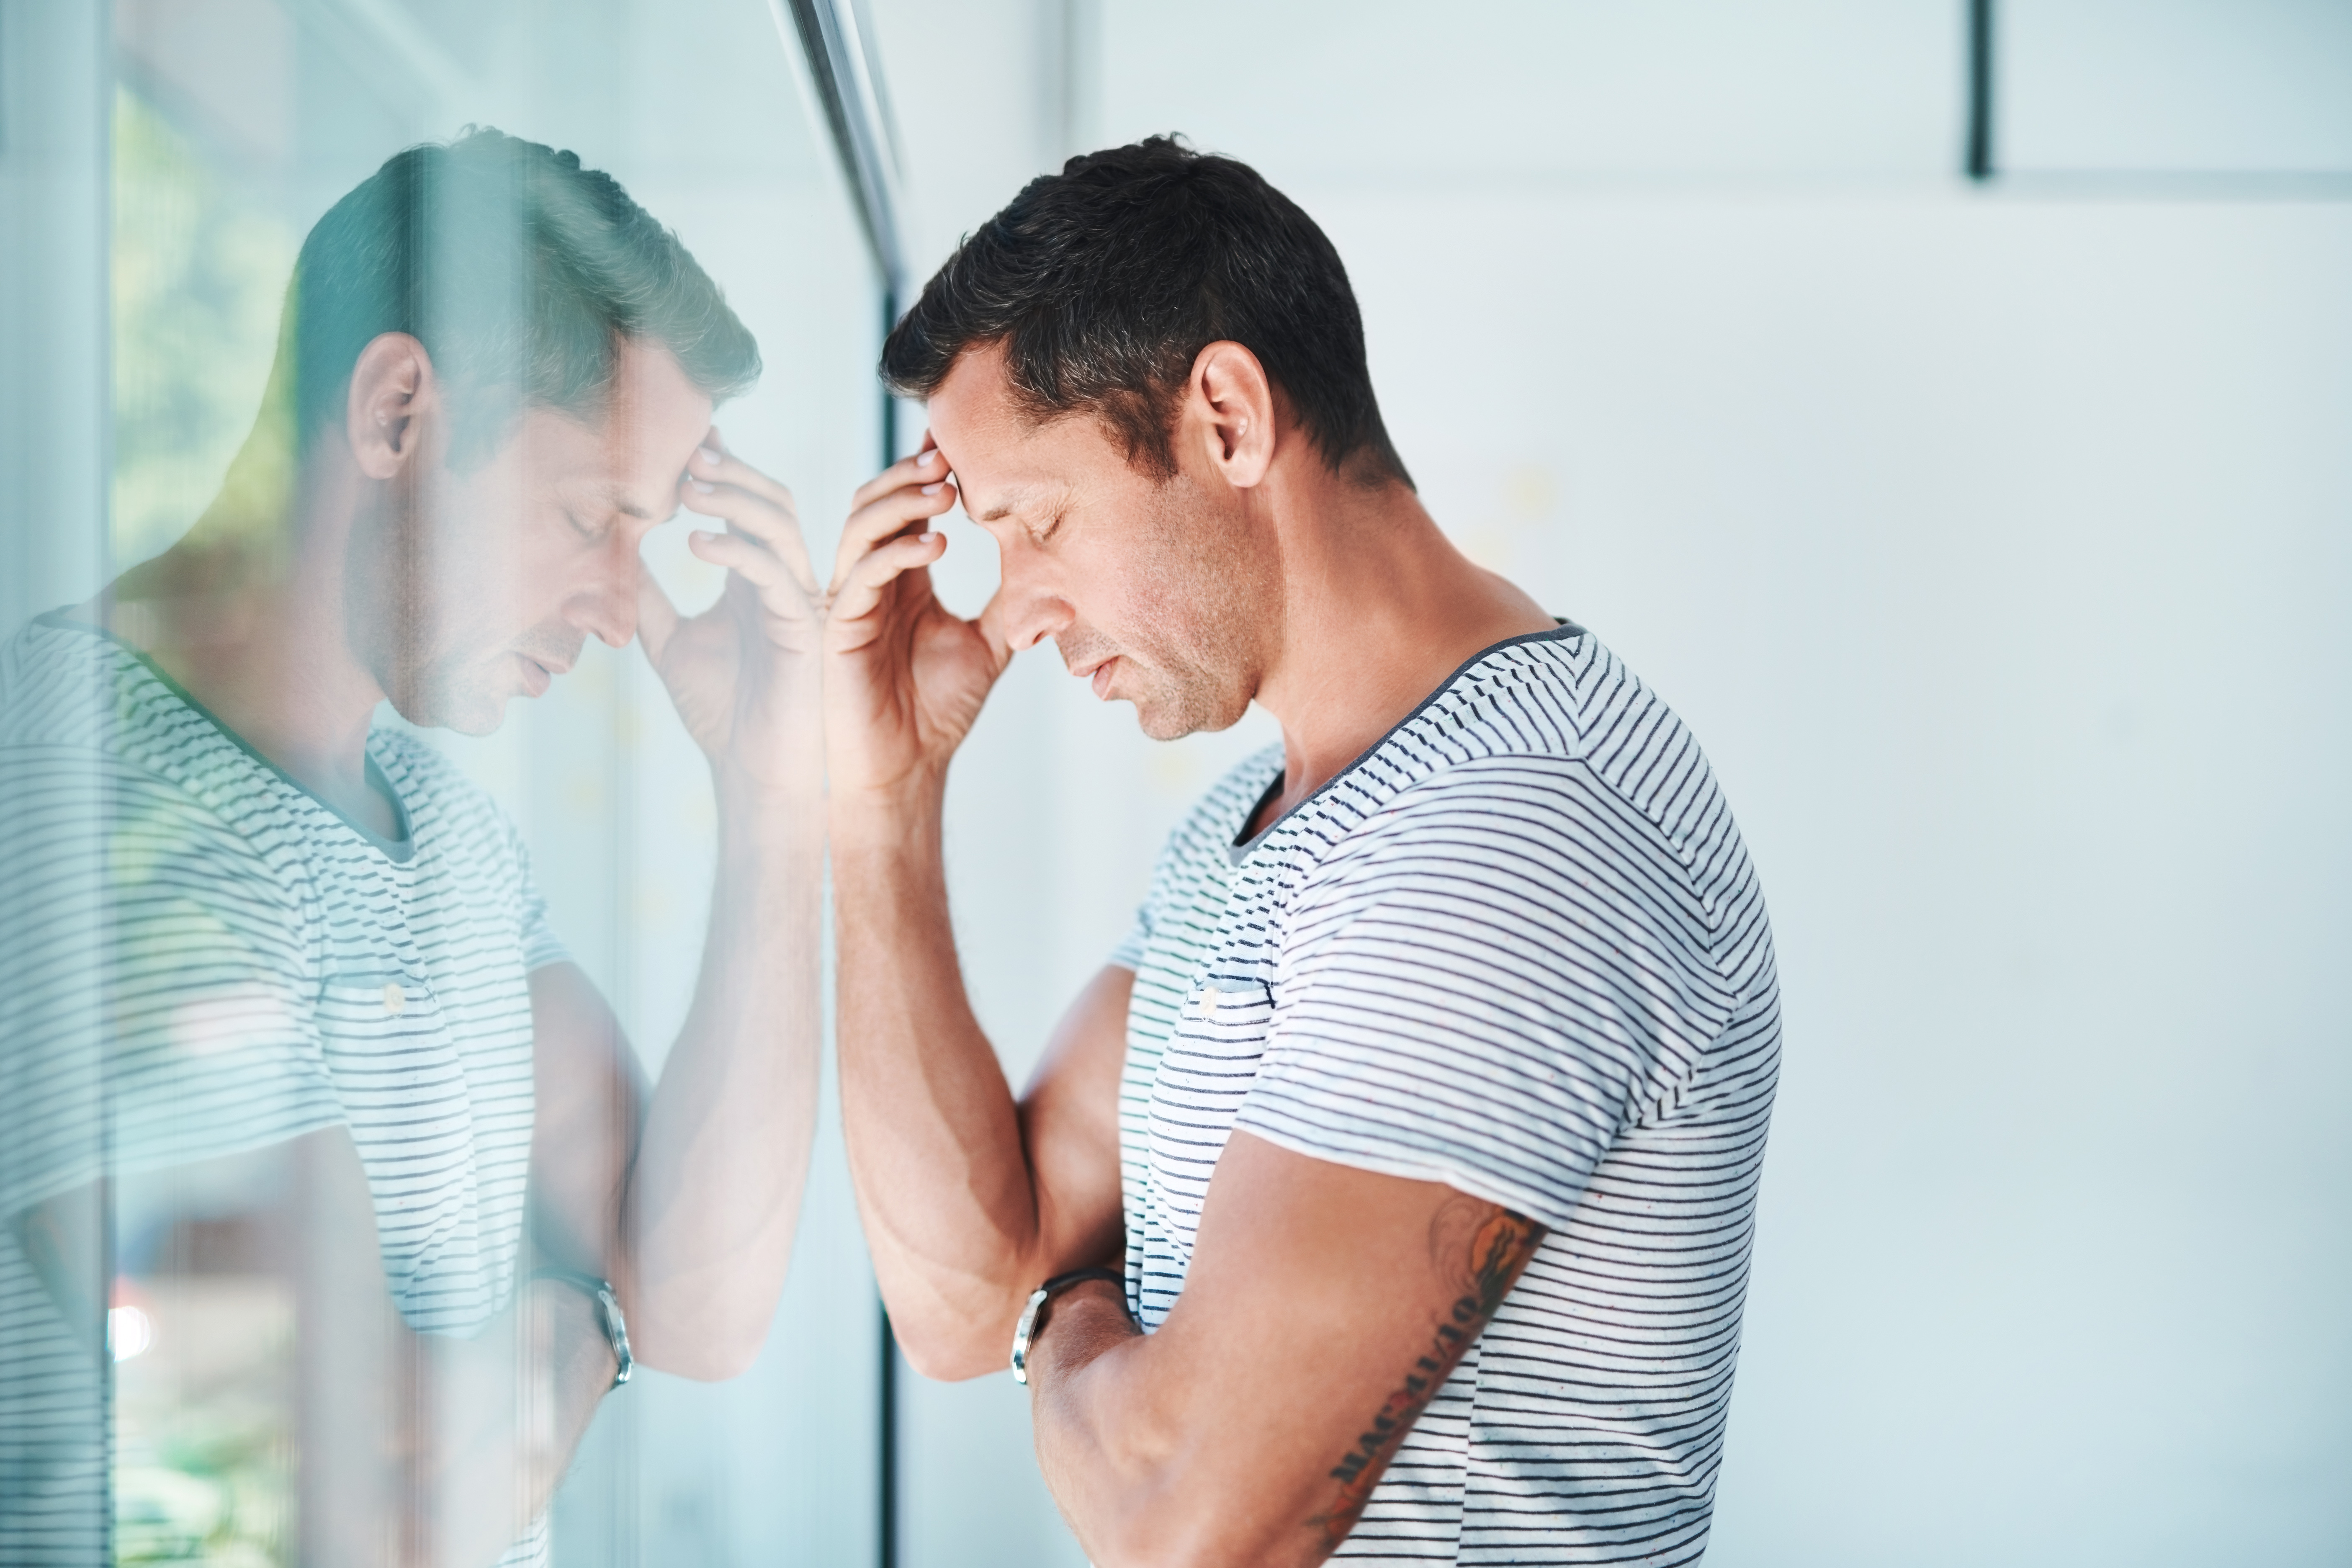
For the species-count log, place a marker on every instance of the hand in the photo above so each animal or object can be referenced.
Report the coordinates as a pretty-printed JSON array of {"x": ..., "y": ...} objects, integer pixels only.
[
  {"x": 904, "y": 679},
  {"x": 744, "y": 672}
]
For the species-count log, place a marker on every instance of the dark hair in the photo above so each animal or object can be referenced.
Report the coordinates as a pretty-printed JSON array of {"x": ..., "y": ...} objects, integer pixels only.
[
  {"x": 1104, "y": 283},
  {"x": 520, "y": 271}
]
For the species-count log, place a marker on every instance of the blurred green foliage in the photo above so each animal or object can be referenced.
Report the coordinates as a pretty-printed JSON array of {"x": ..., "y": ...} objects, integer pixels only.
[
  {"x": 203, "y": 1470},
  {"x": 199, "y": 275}
]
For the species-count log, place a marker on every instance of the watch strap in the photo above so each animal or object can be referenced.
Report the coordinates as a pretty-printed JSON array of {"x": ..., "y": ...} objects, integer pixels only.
[
  {"x": 608, "y": 1316},
  {"x": 1032, "y": 1315}
]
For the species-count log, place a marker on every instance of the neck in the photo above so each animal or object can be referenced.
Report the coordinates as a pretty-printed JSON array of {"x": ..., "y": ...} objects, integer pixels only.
[
  {"x": 1379, "y": 609},
  {"x": 247, "y": 613}
]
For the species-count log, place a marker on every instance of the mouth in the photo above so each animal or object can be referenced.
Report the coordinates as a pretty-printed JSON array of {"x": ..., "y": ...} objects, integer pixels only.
[
  {"x": 537, "y": 677},
  {"x": 1099, "y": 676}
]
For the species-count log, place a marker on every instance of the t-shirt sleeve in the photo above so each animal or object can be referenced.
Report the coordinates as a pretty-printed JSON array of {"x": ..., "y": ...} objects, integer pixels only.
[
  {"x": 1482, "y": 986},
  {"x": 1129, "y": 954},
  {"x": 540, "y": 946}
]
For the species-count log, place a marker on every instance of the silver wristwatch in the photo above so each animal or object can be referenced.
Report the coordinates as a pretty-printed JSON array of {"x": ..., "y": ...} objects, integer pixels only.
[
  {"x": 1033, "y": 1316},
  {"x": 608, "y": 1315}
]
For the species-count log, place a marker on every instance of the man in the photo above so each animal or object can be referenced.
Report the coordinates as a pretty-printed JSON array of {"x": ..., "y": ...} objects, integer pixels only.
[
  {"x": 277, "y": 970},
  {"x": 1420, "y": 1114}
]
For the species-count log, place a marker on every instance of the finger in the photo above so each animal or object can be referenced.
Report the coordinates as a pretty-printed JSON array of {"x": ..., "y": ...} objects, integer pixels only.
[
  {"x": 922, "y": 468},
  {"x": 746, "y": 558},
  {"x": 656, "y": 616},
  {"x": 893, "y": 511},
  {"x": 754, "y": 518},
  {"x": 917, "y": 467},
  {"x": 713, "y": 462},
  {"x": 860, "y": 593},
  {"x": 890, "y": 515}
]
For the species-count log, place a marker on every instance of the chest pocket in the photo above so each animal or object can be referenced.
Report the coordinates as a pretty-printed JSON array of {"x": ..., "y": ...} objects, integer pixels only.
[{"x": 403, "y": 1088}]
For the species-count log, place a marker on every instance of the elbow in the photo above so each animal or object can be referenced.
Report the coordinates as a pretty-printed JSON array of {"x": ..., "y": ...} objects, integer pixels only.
[
  {"x": 712, "y": 1348},
  {"x": 952, "y": 1331},
  {"x": 704, "y": 1362},
  {"x": 1178, "y": 1526},
  {"x": 1126, "y": 1553},
  {"x": 1130, "y": 1546},
  {"x": 947, "y": 1351},
  {"x": 707, "y": 1325}
]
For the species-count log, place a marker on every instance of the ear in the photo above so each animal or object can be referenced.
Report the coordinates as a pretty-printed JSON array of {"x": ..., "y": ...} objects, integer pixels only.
[
  {"x": 1231, "y": 404},
  {"x": 392, "y": 392}
]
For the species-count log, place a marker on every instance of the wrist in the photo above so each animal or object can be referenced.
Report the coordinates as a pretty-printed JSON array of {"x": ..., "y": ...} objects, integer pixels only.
[
  {"x": 577, "y": 1341},
  {"x": 888, "y": 815},
  {"x": 766, "y": 805},
  {"x": 606, "y": 1302},
  {"x": 1096, "y": 1297}
]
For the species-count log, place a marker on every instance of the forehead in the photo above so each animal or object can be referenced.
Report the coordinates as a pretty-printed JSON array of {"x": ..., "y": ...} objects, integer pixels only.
[
  {"x": 639, "y": 442},
  {"x": 1004, "y": 459}
]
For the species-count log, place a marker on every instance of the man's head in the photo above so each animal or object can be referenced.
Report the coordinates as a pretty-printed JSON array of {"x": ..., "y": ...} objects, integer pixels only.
[
  {"x": 1092, "y": 358},
  {"x": 520, "y": 360}
]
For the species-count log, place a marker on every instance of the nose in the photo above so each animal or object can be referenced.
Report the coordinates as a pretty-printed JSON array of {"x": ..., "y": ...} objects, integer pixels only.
[
  {"x": 1030, "y": 613},
  {"x": 605, "y": 606}
]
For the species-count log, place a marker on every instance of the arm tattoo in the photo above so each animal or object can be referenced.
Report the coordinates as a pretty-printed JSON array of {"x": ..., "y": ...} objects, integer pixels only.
[{"x": 1481, "y": 1247}]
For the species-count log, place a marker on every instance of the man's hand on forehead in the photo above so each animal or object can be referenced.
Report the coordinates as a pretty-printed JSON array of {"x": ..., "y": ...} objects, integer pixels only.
[{"x": 906, "y": 677}]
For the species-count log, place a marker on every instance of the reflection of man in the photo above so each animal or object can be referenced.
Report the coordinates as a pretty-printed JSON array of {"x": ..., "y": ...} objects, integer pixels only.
[
  {"x": 309, "y": 935},
  {"x": 1427, "y": 1098}
]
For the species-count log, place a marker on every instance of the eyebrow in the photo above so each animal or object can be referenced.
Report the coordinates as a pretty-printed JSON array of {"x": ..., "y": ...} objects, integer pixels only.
[
  {"x": 1026, "y": 496},
  {"x": 612, "y": 496}
]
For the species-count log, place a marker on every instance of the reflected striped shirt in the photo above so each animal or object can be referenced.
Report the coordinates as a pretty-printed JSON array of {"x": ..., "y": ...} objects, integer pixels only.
[
  {"x": 197, "y": 958},
  {"x": 1518, "y": 949}
]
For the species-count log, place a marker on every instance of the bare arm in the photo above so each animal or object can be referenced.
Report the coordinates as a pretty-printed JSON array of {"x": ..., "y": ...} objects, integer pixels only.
[
  {"x": 687, "y": 1201},
  {"x": 1325, "y": 1307},
  {"x": 968, "y": 1198}
]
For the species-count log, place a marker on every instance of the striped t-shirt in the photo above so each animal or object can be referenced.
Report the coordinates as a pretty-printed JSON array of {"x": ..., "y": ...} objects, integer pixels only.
[
  {"x": 198, "y": 959},
  {"x": 1516, "y": 948}
]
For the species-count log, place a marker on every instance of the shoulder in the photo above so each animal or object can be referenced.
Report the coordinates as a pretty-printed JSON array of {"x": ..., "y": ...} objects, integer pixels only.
[
  {"x": 1560, "y": 694},
  {"x": 1547, "y": 737},
  {"x": 85, "y": 736},
  {"x": 1558, "y": 799},
  {"x": 51, "y": 673}
]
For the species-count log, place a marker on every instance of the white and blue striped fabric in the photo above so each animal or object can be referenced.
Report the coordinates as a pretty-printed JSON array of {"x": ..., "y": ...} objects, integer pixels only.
[
  {"x": 197, "y": 958},
  {"x": 1518, "y": 949}
]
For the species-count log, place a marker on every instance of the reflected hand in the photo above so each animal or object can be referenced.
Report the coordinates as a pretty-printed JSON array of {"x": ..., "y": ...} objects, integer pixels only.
[
  {"x": 744, "y": 672},
  {"x": 903, "y": 678}
]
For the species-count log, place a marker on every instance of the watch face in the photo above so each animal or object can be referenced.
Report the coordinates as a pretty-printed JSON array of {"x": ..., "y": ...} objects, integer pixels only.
[{"x": 1021, "y": 1333}]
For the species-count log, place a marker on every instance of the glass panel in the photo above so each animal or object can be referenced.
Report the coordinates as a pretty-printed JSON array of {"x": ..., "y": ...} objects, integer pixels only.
[{"x": 409, "y": 839}]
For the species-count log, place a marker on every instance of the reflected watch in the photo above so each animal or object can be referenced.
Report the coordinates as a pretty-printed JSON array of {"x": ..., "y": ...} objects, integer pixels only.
[{"x": 608, "y": 1316}]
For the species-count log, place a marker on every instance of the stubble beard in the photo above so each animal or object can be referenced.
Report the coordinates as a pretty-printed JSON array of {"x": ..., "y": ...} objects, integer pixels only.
[
  {"x": 393, "y": 619},
  {"x": 1203, "y": 609},
  {"x": 1188, "y": 702}
]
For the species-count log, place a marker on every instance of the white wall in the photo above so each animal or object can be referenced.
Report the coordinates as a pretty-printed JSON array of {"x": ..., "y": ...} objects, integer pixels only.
[{"x": 1994, "y": 541}]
